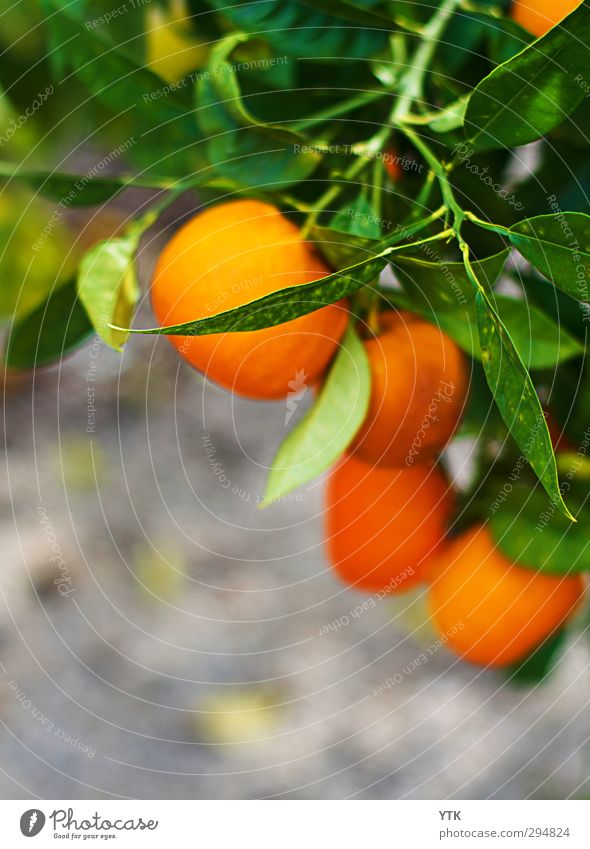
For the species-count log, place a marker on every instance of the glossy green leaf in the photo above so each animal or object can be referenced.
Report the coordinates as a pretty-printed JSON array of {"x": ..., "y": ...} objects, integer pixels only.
[
  {"x": 108, "y": 288},
  {"x": 358, "y": 219},
  {"x": 531, "y": 531},
  {"x": 443, "y": 285},
  {"x": 329, "y": 427},
  {"x": 533, "y": 92},
  {"x": 559, "y": 247},
  {"x": 540, "y": 341},
  {"x": 240, "y": 146},
  {"x": 339, "y": 248},
  {"x": 342, "y": 249},
  {"x": 451, "y": 117},
  {"x": 517, "y": 400},
  {"x": 222, "y": 78},
  {"x": 53, "y": 329},
  {"x": 505, "y": 38},
  {"x": 286, "y": 304}
]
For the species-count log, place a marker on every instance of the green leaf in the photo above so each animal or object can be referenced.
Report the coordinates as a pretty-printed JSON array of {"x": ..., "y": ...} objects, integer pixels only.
[
  {"x": 79, "y": 189},
  {"x": 164, "y": 134},
  {"x": 540, "y": 341},
  {"x": 240, "y": 146},
  {"x": 559, "y": 247},
  {"x": 342, "y": 249},
  {"x": 279, "y": 307},
  {"x": 451, "y": 117},
  {"x": 53, "y": 329},
  {"x": 517, "y": 400},
  {"x": 505, "y": 38},
  {"x": 288, "y": 303},
  {"x": 355, "y": 12},
  {"x": 358, "y": 219},
  {"x": 326, "y": 430},
  {"x": 339, "y": 248},
  {"x": 222, "y": 78},
  {"x": 529, "y": 529},
  {"x": 108, "y": 288},
  {"x": 441, "y": 284},
  {"x": 113, "y": 76},
  {"x": 296, "y": 30},
  {"x": 533, "y": 92},
  {"x": 540, "y": 663}
]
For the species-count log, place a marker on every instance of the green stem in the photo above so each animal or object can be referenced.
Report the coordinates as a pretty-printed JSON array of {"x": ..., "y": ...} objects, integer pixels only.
[
  {"x": 404, "y": 232},
  {"x": 486, "y": 225},
  {"x": 459, "y": 215},
  {"x": 413, "y": 81},
  {"x": 341, "y": 108},
  {"x": 439, "y": 171},
  {"x": 411, "y": 85},
  {"x": 444, "y": 234},
  {"x": 424, "y": 193},
  {"x": 331, "y": 194}
]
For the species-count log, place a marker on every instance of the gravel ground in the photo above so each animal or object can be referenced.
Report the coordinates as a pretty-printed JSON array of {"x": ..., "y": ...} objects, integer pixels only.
[{"x": 161, "y": 636}]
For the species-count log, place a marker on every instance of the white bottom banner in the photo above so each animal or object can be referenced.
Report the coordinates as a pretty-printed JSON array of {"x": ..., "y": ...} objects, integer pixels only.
[{"x": 297, "y": 824}]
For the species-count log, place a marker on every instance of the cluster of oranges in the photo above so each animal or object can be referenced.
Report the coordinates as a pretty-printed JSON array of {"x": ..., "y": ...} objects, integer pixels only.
[{"x": 389, "y": 505}]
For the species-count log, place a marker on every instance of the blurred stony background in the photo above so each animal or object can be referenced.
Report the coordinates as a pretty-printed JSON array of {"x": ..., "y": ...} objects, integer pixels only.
[{"x": 161, "y": 636}]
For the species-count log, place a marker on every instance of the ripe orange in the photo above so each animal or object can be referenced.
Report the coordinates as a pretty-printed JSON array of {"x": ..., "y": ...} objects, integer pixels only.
[
  {"x": 227, "y": 256},
  {"x": 419, "y": 385},
  {"x": 490, "y": 610},
  {"x": 383, "y": 524},
  {"x": 538, "y": 16}
]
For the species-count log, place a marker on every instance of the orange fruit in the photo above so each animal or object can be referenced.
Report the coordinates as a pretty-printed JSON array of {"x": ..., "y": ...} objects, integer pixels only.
[
  {"x": 538, "y": 16},
  {"x": 418, "y": 390},
  {"x": 492, "y": 611},
  {"x": 383, "y": 524},
  {"x": 229, "y": 255}
]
